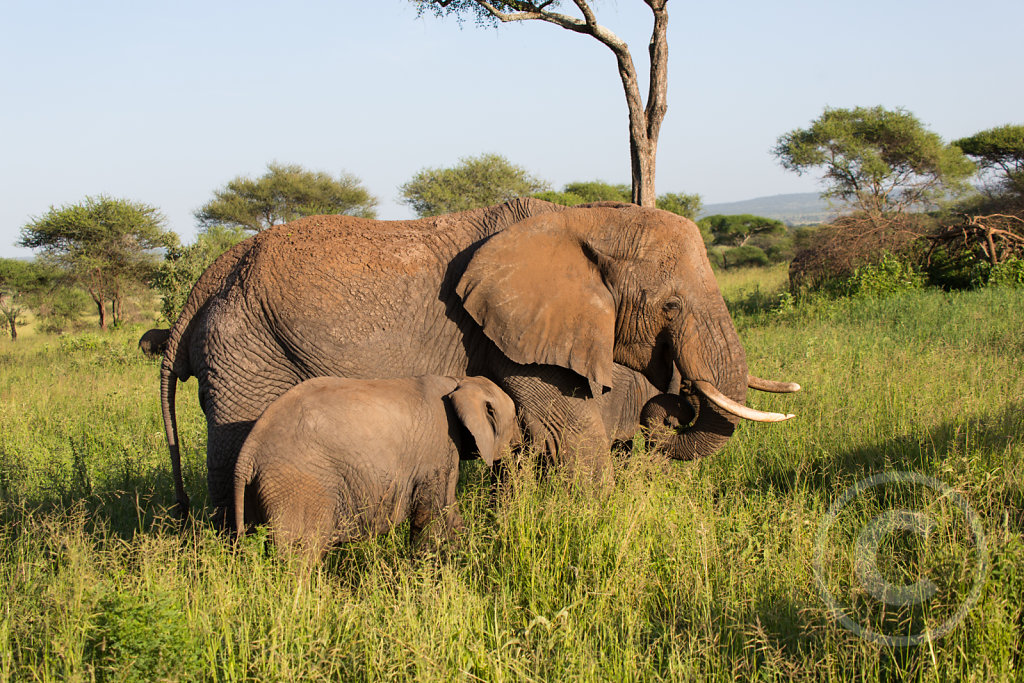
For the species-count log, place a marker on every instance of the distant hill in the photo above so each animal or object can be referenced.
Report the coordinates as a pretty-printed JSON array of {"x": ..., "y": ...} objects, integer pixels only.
[{"x": 792, "y": 209}]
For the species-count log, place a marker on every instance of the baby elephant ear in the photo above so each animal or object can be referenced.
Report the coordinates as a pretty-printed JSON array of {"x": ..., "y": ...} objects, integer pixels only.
[
  {"x": 487, "y": 413},
  {"x": 537, "y": 291}
]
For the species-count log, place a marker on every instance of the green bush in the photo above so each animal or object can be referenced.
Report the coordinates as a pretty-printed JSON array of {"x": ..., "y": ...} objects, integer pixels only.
[
  {"x": 1009, "y": 273},
  {"x": 890, "y": 275},
  {"x": 738, "y": 257},
  {"x": 183, "y": 266}
]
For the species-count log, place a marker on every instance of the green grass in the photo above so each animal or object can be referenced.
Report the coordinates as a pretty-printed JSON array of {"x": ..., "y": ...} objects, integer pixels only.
[{"x": 683, "y": 571}]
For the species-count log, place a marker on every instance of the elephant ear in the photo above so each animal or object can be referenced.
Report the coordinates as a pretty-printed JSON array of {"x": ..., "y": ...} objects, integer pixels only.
[
  {"x": 536, "y": 290},
  {"x": 488, "y": 414}
]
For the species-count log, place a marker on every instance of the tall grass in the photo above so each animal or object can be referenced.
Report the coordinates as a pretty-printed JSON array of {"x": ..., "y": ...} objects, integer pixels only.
[{"x": 682, "y": 571}]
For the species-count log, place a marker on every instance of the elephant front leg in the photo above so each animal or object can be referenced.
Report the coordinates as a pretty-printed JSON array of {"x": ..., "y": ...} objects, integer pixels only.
[
  {"x": 561, "y": 419},
  {"x": 435, "y": 519}
]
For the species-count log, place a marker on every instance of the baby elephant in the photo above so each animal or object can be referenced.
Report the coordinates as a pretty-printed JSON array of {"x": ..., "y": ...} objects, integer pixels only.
[{"x": 335, "y": 459}]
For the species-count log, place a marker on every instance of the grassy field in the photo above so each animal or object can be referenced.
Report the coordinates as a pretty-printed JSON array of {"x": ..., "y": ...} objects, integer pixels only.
[{"x": 723, "y": 569}]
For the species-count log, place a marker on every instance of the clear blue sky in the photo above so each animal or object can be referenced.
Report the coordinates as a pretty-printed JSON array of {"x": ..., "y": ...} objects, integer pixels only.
[{"x": 165, "y": 102}]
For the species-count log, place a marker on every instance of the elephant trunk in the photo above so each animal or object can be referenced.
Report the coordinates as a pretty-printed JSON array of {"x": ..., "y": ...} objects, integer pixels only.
[
  {"x": 713, "y": 366},
  {"x": 712, "y": 388}
]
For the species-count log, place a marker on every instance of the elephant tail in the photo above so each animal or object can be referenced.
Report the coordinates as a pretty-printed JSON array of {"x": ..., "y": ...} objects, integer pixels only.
[{"x": 168, "y": 386}]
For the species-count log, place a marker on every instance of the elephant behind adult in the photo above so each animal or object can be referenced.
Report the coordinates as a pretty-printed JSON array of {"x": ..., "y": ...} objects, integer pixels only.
[
  {"x": 153, "y": 342},
  {"x": 542, "y": 299}
]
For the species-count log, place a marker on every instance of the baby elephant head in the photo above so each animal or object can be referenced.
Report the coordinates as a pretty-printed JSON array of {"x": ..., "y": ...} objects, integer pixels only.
[{"x": 488, "y": 414}]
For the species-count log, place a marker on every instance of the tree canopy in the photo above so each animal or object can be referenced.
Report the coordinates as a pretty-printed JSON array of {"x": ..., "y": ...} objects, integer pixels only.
[
  {"x": 737, "y": 230},
  {"x": 20, "y": 281},
  {"x": 644, "y": 120},
  {"x": 106, "y": 245},
  {"x": 688, "y": 205},
  {"x": 282, "y": 194},
  {"x": 1000, "y": 150},
  {"x": 182, "y": 266},
  {"x": 879, "y": 161},
  {"x": 473, "y": 183},
  {"x": 585, "y": 192}
]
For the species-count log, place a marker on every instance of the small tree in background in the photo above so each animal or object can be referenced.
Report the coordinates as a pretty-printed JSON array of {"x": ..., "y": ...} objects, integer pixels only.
[
  {"x": 108, "y": 247},
  {"x": 285, "y": 193},
  {"x": 473, "y": 183},
  {"x": 736, "y": 231},
  {"x": 688, "y": 205},
  {"x": 586, "y": 192},
  {"x": 182, "y": 266},
  {"x": 878, "y": 161},
  {"x": 745, "y": 240},
  {"x": 1000, "y": 153},
  {"x": 20, "y": 283}
]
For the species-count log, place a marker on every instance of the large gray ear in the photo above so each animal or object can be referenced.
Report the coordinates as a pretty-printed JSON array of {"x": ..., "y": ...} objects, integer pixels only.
[
  {"x": 488, "y": 414},
  {"x": 536, "y": 290}
]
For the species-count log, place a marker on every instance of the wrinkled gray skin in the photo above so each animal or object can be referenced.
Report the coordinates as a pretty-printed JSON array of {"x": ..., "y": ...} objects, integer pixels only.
[
  {"x": 154, "y": 342},
  {"x": 335, "y": 459},
  {"x": 634, "y": 403},
  {"x": 540, "y": 298}
]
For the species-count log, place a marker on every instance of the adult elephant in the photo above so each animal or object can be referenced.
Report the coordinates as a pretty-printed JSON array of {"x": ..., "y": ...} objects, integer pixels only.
[{"x": 542, "y": 299}]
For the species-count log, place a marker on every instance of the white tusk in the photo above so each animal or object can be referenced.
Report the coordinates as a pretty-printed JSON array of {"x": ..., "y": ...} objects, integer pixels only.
[
  {"x": 737, "y": 409},
  {"x": 771, "y": 385}
]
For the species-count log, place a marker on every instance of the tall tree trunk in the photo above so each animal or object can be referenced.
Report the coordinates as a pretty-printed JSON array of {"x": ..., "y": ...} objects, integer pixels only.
[
  {"x": 101, "y": 308},
  {"x": 14, "y": 328},
  {"x": 642, "y": 158},
  {"x": 644, "y": 122},
  {"x": 116, "y": 309}
]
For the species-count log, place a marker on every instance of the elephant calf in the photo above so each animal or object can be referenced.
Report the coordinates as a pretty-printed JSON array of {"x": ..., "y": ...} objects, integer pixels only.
[{"x": 334, "y": 459}]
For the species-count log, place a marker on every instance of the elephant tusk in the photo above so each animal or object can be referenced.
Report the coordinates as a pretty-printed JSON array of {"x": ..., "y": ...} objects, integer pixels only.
[
  {"x": 771, "y": 385},
  {"x": 737, "y": 409}
]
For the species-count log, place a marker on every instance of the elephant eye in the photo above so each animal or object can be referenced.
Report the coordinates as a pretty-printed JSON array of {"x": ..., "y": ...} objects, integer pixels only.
[{"x": 671, "y": 306}]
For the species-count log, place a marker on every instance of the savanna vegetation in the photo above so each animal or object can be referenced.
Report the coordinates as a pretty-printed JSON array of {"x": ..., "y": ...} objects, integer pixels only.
[
  {"x": 903, "y": 319},
  {"x": 683, "y": 571}
]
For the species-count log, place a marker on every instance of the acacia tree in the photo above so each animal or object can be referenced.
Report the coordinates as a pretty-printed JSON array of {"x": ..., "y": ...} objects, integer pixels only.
[
  {"x": 736, "y": 230},
  {"x": 879, "y": 161},
  {"x": 18, "y": 280},
  {"x": 999, "y": 151},
  {"x": 583, "y": 192},
  {"x": 644, "y": 120},
  {"x": 282, "y": 194},
  {"x": 472, "y": 183},
  {"x": 106, "y": 246}
]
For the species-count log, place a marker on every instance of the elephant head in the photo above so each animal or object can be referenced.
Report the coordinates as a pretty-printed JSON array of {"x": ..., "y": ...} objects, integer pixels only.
[
  {"x": 154, "y": 342},
  {"x": 487, "y": 413},
  {"x": 592, "y": 286}
]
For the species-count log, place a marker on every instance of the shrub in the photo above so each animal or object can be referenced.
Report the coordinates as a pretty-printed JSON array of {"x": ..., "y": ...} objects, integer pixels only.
[
  {"x": 183, "y": 266},
  {"x": 890, "y": 275},
  {"x": 737, "y": 257},
  {"x": 747, "y": 255},
  {"x": 1009, "y": 273},
  {"x": 827, "y": 258}
]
